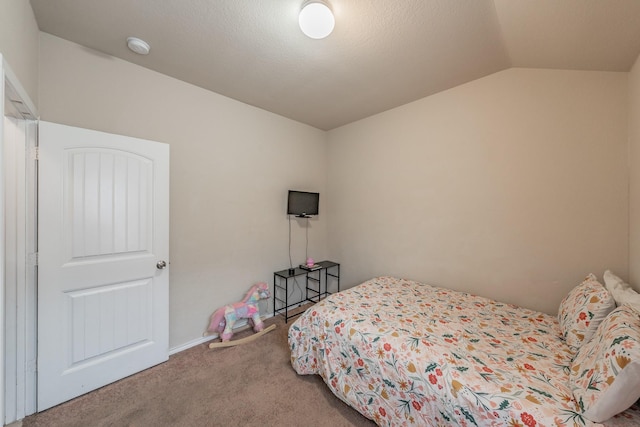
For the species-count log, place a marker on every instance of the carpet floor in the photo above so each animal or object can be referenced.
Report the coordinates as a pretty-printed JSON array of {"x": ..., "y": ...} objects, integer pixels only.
[{"x": 248, "y": 385}]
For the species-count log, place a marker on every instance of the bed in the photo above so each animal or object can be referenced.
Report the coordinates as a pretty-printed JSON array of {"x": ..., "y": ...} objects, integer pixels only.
[{"x": 406, "y": 353}]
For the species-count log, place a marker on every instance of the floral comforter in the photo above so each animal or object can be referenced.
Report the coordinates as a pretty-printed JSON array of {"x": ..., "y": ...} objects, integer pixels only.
[{"x": 405, "y": 353}]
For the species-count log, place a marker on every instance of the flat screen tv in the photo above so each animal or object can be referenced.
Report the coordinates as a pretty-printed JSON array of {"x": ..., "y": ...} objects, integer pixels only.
[{"x": 302, "y": 203}]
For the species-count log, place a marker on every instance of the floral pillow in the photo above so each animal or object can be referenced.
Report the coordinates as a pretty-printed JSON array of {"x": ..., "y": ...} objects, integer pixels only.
[
  {"x": 605, "y": 374},
  {"x": 582, "y": 310}
]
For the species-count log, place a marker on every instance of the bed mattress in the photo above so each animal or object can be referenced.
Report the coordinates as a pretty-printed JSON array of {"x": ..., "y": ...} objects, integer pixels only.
[{"x": 406, "y": 353}]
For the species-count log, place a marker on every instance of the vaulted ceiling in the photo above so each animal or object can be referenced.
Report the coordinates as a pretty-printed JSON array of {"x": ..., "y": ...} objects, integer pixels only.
[{"x": 382, "y": 53}]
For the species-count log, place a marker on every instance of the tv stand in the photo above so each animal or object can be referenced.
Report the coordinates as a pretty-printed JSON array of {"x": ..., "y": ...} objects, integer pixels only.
[{"x": 315, "y": 287}]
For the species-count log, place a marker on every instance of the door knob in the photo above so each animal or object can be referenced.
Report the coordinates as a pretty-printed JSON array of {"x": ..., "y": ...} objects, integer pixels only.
[{"x": 161, "y": 265}]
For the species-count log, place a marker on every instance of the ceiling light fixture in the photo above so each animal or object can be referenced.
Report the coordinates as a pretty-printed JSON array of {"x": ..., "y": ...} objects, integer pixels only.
[
  {"x": 140, "y": 47},
  {"x": 316, "y": 19}
]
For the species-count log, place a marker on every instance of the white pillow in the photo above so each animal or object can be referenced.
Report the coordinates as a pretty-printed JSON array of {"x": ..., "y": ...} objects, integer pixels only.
[
  {"x": 621, "y": 292},
  {"x": 613, "y": 282}
]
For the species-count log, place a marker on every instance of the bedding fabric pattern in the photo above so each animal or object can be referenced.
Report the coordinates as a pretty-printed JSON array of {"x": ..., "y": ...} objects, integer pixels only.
[
  {"x": 405, "y": 353},
  {"x": 605, "y": 374},
  {"x": 582, "y": 310}
]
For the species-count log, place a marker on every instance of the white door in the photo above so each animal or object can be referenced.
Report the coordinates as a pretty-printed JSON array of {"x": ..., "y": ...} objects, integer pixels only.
[{"x": 103, "y": 296}]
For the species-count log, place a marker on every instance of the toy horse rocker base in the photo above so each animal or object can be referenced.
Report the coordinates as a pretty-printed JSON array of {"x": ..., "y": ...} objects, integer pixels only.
[{"x": 223, "y": 319}]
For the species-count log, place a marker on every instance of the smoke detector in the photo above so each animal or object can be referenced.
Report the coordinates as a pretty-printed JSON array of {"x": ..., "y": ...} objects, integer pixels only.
[{"x": 138, "y": 46}]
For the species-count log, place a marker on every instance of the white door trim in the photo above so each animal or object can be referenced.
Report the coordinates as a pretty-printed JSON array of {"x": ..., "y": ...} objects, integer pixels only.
[{"x": 18, "y": 400}]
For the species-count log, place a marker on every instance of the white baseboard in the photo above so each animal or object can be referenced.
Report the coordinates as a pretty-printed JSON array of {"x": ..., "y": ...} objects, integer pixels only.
[{"x": 241, "y": 326}]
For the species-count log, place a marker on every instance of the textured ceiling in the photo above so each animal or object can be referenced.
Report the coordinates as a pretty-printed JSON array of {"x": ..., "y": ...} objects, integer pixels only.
[{"x": 382, "y": 53}]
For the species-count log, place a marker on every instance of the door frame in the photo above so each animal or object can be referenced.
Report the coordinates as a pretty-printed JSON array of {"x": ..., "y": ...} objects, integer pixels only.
[{"x": 20, "y": 397}]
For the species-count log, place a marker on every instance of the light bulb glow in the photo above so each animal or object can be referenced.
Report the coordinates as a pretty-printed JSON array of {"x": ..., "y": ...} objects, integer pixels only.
[{"x": 316, "y": 20}]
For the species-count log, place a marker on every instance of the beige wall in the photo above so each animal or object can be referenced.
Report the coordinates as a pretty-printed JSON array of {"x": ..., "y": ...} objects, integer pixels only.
[
  {"x": 19, "y": 43},
  {"x": 634, "y": 175},
  {"x": 231, "y": 167},
  {"x": 513, "y": 186}
]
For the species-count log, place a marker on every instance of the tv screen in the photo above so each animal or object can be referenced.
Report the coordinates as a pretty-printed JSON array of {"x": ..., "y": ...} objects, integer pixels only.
[{"x": 302, "y": 203}]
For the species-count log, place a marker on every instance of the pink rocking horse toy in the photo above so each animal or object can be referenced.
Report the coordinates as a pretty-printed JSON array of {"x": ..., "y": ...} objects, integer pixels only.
[{"x": 223, "y": 319}]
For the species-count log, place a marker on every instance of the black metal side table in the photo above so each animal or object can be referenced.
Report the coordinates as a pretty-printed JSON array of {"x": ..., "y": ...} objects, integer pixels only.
[{"x": 315, "y": 287}]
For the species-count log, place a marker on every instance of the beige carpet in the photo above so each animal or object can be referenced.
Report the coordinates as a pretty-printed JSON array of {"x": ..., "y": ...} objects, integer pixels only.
[{"x": 248, "y": 385}]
